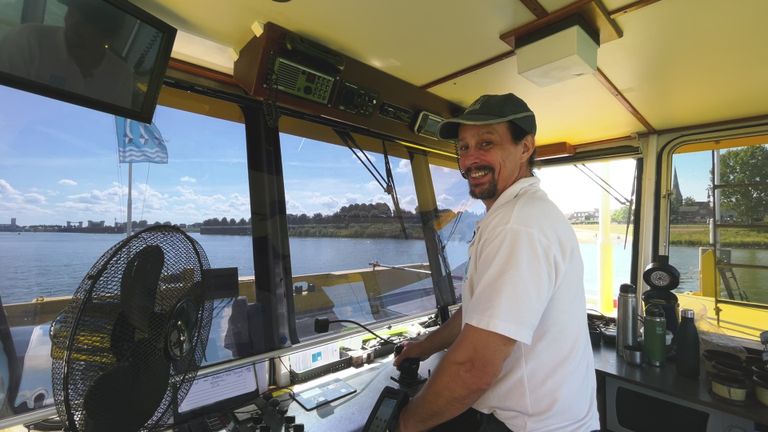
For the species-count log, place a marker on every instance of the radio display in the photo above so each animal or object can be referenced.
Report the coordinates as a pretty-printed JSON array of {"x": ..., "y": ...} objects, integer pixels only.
[{"x": 427, "y": 124}]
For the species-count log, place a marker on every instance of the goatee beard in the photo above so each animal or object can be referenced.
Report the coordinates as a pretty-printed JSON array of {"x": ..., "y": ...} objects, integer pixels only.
[{"x": 486, "y": 192}]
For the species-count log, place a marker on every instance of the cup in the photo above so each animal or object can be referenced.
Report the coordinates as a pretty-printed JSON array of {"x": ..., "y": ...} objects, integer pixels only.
[{"x": 633, "y": 354}]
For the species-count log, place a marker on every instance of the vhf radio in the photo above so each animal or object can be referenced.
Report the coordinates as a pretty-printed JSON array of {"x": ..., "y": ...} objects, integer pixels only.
[{"x": 386, "y": 411}]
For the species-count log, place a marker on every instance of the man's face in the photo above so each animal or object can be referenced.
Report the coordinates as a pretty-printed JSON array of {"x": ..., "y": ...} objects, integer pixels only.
[
  {"x": 84, "y": 37},
  {"x": 491, "y": 160}
]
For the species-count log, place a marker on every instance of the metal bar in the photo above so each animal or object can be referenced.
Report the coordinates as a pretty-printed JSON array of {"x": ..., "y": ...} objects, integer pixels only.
[
  {"x": 743, "y": 304},
  {"x": 744, "y": 266},
  {"x": 739, "y": 185},
  {"x": 445, "y": 295},
  {"x": 375, "y": 264},
  {"x": 744, "y": 226}
]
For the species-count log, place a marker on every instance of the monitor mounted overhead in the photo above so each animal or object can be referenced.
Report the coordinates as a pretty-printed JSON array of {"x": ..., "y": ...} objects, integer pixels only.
[{"x": 107, "y": 55}]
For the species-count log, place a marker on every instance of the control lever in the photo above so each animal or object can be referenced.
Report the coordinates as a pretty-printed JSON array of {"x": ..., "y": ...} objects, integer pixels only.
[{"x": 409, "y": 370}]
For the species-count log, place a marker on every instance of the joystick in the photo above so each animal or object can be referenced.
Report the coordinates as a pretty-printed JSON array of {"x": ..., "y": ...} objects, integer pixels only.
[{"x": 409, "y": 370}]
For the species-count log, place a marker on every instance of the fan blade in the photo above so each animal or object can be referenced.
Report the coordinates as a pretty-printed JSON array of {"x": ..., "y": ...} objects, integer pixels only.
[
  {"x": 123, "y": 337},
  {"x": 138, "y": 287},
  {"x": 124, "y": 398}
]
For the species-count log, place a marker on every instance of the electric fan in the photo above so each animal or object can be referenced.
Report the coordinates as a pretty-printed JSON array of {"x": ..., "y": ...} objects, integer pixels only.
[{"x": 127, "y": 348}]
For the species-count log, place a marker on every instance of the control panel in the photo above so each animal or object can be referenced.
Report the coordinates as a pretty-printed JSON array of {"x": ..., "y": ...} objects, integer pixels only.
[
  {"x": 301, "y": 81},
  {"x": 355, "y": 99},
  {"x": 293, "y": 72}
]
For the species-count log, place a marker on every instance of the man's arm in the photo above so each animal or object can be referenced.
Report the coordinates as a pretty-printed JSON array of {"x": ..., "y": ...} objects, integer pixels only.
[
  {"x": 467, "y": 370},
  {"x": 435, "y": 341}
]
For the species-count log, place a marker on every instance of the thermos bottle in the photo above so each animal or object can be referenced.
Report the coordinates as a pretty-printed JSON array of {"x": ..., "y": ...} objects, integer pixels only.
[
  {"x": 654, "y": 335},
  {"x": 687, "y": 339},
  {"x": 626, "y": 318}
]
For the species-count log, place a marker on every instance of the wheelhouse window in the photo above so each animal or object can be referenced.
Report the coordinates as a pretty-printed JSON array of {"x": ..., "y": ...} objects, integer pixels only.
[
  {"x": 717, "y": 204},
  {"x": 458, "y": 214},
  {"x": 596, "y": 197},
  {"x": 63, "y": 203},
  {"x": 354, "y": 256}
]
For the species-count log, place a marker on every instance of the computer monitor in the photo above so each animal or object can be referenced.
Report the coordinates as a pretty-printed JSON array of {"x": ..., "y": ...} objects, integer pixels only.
[
  {"x": 223, "y": 390},
  {"x": 108, "y": 55}
]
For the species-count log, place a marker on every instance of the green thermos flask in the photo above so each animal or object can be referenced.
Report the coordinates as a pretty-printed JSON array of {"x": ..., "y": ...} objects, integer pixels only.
[{"x": 654, "y": 335}]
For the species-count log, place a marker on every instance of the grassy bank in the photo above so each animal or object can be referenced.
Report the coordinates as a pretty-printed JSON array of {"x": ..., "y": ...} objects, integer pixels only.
[
  {"x": 356, "y": 230},
  {"x": 696, "y": 235}
]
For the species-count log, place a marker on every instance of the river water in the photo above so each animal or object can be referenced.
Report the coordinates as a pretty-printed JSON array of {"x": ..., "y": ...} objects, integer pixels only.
[{"x": 53, "y": 264}]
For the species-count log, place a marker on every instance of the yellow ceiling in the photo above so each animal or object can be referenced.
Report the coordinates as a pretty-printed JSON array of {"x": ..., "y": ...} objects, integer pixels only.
[{"x": 679, "y": 62}]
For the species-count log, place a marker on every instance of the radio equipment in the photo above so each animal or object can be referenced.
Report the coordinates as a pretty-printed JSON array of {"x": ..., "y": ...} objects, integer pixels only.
[
  {"x": 289, "y": 71},
  {"x": 303, "y": 82}
]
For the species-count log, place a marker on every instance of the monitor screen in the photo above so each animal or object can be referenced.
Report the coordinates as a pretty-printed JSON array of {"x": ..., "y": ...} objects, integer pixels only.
[
  {"x": 223, "y": 390},
  {"x": 107, "y": 55}
]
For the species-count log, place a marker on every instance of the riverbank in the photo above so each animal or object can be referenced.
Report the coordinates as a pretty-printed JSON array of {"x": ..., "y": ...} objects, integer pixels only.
[{"x": 686, "y": 235}]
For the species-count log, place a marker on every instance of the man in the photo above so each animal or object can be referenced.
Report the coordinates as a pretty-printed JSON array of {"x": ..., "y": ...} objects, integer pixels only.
[{"x": 519, "y": 353}]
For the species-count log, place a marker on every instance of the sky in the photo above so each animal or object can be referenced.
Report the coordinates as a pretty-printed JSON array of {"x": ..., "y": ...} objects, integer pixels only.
[{"x": 58, "y": 163}]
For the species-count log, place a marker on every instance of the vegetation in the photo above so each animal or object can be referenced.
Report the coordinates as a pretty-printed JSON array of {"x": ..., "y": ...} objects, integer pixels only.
[
  {"x": 698, "y": 235},
  {"x": 746, "y": 171},
  {"x": 355, "y": 220},
  {"x": 620, "y": 215},
  {"x": 385, "y": 229}
]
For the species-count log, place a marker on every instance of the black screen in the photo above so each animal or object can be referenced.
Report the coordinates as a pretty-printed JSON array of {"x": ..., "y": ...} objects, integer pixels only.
[{"x": 103, "y": 54}]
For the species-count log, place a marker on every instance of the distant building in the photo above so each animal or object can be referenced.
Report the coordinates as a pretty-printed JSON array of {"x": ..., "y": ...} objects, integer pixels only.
[
  {"x": 95, "y": 224},
  {"x": 698, "y": 212},
  {"x": 584, "y": 216},
  {"x": 12, "y": 227}
]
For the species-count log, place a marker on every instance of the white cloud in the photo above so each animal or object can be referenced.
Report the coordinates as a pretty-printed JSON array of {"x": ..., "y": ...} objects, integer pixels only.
[
  {"x": 34, "y": 199},
  {"x": 325, "y": 204},
  {"x": 188, "y": 179},
  {"x": 67, "y": 182},
  {"x": 292, "y": 207},
  {"x": 13, "y": 199},
  {"x": 191, "y": 206},
  {"x": 404, "y": 166},
  {"x": 373, "y": 186},
  {"x": 408, "y": 203},
  {"x": 445, "y": 201},
  {"x": 371, "y": 156},
  {"x": 6, "y": 189}
]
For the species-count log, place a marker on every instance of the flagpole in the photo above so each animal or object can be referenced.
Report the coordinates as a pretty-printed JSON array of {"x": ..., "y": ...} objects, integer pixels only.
[{"x": 128, "y": 223}]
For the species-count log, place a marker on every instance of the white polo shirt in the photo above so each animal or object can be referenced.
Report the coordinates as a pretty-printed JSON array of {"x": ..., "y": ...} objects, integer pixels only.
[{"x": 525, "y": 281}]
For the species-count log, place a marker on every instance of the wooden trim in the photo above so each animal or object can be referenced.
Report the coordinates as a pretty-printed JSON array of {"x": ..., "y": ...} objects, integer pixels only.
[
  {"x": 554, "y": 150},
  {"x": 623, "y": 100},
  {"x": 535, "y": 7},
  {"x": 593, "y": 11},
  {"x": 564, "y": 12},
  {"x": 596, "y": 13},
  {"x": 202, "y": 72},
  {"x": 469, "y": 69},
  {"x": 602, "y": 143},
  {"x": 757, "y": 118},
  {"x": 639, "y": 4}
]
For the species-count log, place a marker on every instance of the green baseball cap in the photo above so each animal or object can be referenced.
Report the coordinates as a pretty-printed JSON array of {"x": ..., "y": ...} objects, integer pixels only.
[{"x": 489, "y": 109}]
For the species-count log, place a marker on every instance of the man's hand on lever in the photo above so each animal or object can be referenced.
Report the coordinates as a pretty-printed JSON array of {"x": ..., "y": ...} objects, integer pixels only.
[{"x": 410, "y": 349}]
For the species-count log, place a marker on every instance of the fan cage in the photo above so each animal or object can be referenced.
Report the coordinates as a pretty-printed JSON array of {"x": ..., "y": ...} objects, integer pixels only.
[{"x": 82, "y": 334}]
